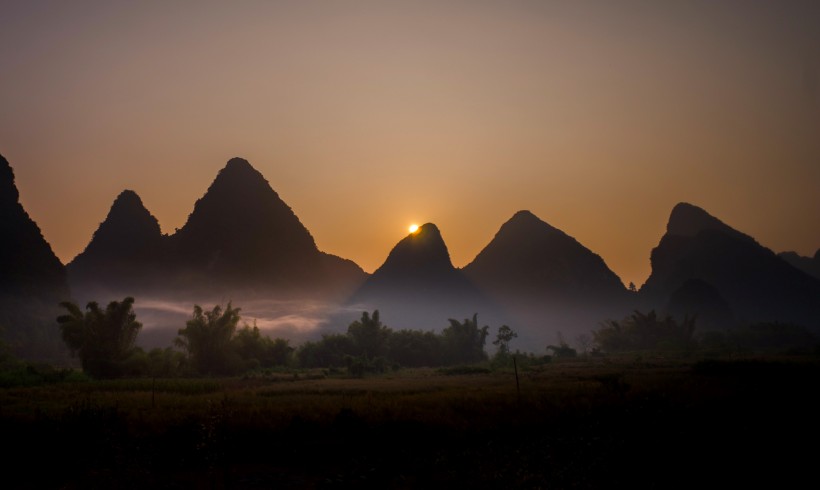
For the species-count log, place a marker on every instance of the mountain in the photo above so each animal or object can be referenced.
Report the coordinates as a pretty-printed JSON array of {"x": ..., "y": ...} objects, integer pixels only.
[
  {"x": 528, "y": 257},
  {"x": 241, "y": 228},
  {"x": 126, "y": 254},
  {"x": 242, "y": 235},
  {"x": 698, "y": 297},
  {"x": 546, "y": 279},
  {"x": 809, "y": 265},
  {"x": 32, "y": 278},
  {"x": 756, "y": 284},
  {"x": 241, "y": 240},
  {"x": 418, "y": 286}
]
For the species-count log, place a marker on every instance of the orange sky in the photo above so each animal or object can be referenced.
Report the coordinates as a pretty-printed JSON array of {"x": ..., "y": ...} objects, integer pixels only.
[{"x": 367, "y": 116}]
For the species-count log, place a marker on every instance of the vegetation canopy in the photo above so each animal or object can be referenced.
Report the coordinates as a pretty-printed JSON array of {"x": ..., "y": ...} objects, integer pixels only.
[
  {"x": 207, "y": 336},
  {"x": 102, "y": 339},
  {"x": 646, "y": 331}
]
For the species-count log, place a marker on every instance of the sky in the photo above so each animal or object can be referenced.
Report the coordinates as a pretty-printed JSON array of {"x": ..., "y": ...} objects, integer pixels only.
[{"x": 368, "y": 116}]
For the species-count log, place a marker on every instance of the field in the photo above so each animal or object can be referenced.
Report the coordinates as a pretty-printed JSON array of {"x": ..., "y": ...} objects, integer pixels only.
[{"x": 589, "y": 423}]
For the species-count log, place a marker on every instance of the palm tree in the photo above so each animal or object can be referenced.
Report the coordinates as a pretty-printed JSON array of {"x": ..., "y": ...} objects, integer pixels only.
[
  {"x": 464, "y": 341},
  {"x": 103, "y": 339},
  {"x": 207, "y": 338}
]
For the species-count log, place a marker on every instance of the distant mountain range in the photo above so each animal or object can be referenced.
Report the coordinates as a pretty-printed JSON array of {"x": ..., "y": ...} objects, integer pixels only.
[
  {"x": 730, "y": 268},
  {"x": 809, "y": 265},
  {"x": 241, "y": 239}
]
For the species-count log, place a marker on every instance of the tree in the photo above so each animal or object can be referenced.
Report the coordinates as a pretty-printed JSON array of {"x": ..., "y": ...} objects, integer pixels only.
[
  {"x": 641, "y": 332},
  {"x": 464, "y": 341},
  {"x": 369, "y": 335},
  {"x": 102, "y": 339},
  {"x": 254, "y": 348},
  {"x": 503, "y": 338},
  {"x": 330, "y": 351},
  {"x": 414, "y": 348},
  {"x": 207, "y": 339}
]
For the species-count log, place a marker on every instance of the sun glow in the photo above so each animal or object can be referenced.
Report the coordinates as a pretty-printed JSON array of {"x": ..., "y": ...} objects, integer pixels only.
[{"x": 413, "y": 228}]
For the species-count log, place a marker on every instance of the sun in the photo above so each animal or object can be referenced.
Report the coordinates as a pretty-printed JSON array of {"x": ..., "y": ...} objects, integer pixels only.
[{"x": 413, "y": 228}]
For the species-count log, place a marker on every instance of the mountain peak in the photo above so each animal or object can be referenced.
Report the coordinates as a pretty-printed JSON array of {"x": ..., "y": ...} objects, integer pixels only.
[
  {"x": 242, "y": 227},
  {"x": 237, "y": 164},
  {"x": 528, "y": 254},
  {"x": 129, "y": 232},
  {"x": 524, "y": 214},
  {"x": 129, "y": 215},
  {"x": 525, "y": 222},
  {"x": 423, "y": 250},
  {"x": 239, "y": 175},
  {"x": 8, "y": 191},
  {"x": 749, "y": 276},
  {"x": 426, "y": 232},
  {"x": 127, "y": 199},
  {"x": 689, "y": 220},
  {"x": 418, "y": 284}
]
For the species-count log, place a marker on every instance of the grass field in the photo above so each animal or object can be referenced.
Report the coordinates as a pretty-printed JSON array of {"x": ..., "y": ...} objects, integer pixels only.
[{"x": 594, "y": 423}]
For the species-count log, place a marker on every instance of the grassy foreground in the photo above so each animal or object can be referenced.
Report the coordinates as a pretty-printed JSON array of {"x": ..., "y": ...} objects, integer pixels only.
[{"x": 638, "y": 422}]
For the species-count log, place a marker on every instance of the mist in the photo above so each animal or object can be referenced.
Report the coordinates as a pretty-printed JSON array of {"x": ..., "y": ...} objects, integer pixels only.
[{"x": 294, "y": 320}]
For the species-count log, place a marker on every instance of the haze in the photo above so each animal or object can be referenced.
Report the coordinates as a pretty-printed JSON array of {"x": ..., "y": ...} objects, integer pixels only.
[{"x": 367, "y": 117}]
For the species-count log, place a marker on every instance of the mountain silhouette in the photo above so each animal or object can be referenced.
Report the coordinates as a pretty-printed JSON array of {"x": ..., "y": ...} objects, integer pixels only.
[
  {"x": 809, "y": 265},
  {"x": 529, "y": 257},
  {"x": 125, "y": 255},
  {"x": 756, "y": 284},
  {"x": 419, "y": 258},
  {"x": 240, "y": 239},
  {"x": 546, "y": 279},
  {"x": 32, "y": 278},
  {"x": 242, "y": 235},
  {"x": 241, "y": 227},
  {"x": 418, "y": 286},
  {"x": 700, "y": 299}
]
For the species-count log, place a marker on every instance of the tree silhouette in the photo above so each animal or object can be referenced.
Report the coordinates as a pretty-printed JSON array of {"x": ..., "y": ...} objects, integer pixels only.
[
  {"x": 207, "y": 339},
  {"x": 369, "y": 335},
  {"x": 464, "y": 341},
  {"x": 646, "y": 331},
  {"x": 257, "y": 349},
  {"x": 503, "y": 338},
  {"x": 562, "y": 349},
  {"x": 103, "y": 339},
  {"x": 414, "y": 348}
]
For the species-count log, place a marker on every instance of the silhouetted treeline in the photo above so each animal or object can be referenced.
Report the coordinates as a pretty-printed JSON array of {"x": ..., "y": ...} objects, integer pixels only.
[
  {"x": 212, "y": 344},
  {"x": 370, "y": 346},
  {"x": 644, "y": 332}
]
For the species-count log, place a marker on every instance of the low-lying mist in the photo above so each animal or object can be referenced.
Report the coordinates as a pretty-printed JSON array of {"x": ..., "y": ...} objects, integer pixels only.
[
  {"x": 295, "y": 320},
  {"x": 538, "y": 323}
]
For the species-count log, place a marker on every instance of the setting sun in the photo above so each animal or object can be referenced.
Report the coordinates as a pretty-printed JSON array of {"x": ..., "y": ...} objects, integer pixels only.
[{"x": 414, "y": 228}]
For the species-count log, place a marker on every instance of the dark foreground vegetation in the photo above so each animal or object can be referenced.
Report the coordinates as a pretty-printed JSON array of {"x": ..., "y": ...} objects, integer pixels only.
[
  {"x": 620, "y": 421},
  {"x": 648, "y": 402}
]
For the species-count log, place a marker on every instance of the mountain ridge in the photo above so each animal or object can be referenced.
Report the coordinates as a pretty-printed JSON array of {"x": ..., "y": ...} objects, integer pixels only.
[
  {"x": 239, "y": 238},
  {"x": 756, "y": 283},
  {"x": 32, "y": 278}
]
